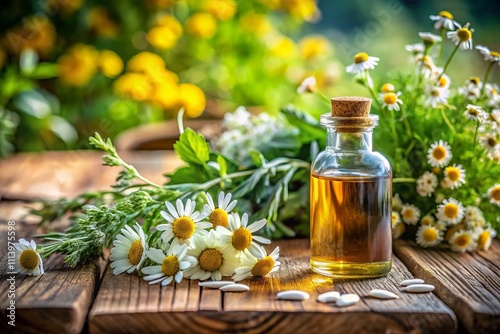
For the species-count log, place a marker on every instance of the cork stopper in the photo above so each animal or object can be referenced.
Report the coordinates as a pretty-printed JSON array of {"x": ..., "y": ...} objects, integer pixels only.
[{"x": 351, "y": 106}]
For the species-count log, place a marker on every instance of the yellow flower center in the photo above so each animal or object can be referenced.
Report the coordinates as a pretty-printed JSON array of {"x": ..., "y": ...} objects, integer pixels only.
[
  {"x": 241, "y": 239},
  {"x": 464, "y": 34},
  {"x": 219, "y": 217},
  {"x": 474, "y": 80},
  {"x": 492, "y": 142},
  {"x": 390, "y": 98},
  {"x": 210, "y": 259},
  {"x": 394, "y": 218},
  {"x": 439, "y": 152},
  {"x": 436, "y": 170},
  {"x": 170, "y": 265},
  {"x": 427, "y": 220},
  {"x": 451, "y": 210},
  {"x": 495, "y": 193},
  {"x": 263, "y": 266},
  {"x": 430, "y": 234},
  {"x": 408, "y": 214},
  {"x": 473, "y": 111},
  {"x": 135, "y": 252},
  {"x": 483, "y": 239},
  {"x": 361, "y": 57},
  {"x": 435, "y": 93},
  {"x": 462, "y": 240},
  {"x": 446, "y": 14},
  {"x": 29, "y": 259},
  {"x": 442, "y": 81},
  {"x": 495, "y": 54},
  {"x": 387, "y": 88},
  {"x": 452, "y": 173},
  {"x": 183, "y": 227}
]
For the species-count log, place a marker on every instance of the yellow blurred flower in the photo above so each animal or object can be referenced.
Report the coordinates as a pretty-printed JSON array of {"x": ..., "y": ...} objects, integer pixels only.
[
  {"x": 202, "y": 25},
  {"x": 34, "y": 32},
  {"x": 314, "y": 46},
  {"x": 65, "y": 6},
  {"x": 165, "y": 95},
  {"x": 136, "y": 86},
  {"x": 78, "y": 65},
  {"x": 166, "y": 20},
  {"x": 301, "y": 9},
  {"x": 192, "y": 99},
  {"x": 162, "y": 38},
  {"x": 161, "y": 3},
  {"x": 146, "y": 62},
  {"x": 100, "y": 22},
  {"x": 282, "y": 47},
  {"x": 163, "y": 75},
  {"x": 257, "y": 24},
  {"x": 110, "y": 63},
  {"x": 221, "y": 9}
]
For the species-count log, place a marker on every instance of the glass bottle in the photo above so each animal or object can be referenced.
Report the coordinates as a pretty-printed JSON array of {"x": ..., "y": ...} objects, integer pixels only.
[{"x": 351, "y": 194}]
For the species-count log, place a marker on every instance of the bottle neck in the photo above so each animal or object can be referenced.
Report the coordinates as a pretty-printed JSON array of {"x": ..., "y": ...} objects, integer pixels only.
[{"x": 349, "y": 141}]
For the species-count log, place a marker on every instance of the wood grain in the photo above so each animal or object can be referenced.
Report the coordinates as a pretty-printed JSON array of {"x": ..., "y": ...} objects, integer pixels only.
[
  {"x": 468, "y": 283},
  {"x": 187, "y": 308}
]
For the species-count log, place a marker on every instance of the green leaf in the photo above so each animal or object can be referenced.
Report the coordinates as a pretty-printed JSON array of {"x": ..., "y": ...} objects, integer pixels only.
[
  {"x": 192, "y": 148},
  {"x": 42, "y": 71},
  {"x": 223, "y": 165},
  {"x": 190, "y": 174},
  {"x": 308, "y": 126}
]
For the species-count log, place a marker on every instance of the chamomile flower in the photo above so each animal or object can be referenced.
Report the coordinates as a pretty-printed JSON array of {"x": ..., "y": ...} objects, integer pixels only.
[
  {"x": 437, "y": 96},
  {"x": 168, "y": 267},
  {"x": 474, "y": 217},
  {"x": 485, "y": 238},
  {"x": 362, "y": 62},
  {"x": 461, "y": 37},
  {"x": 444, "y": 20},
  {"x": 454, "y": 176},
  {"x": 214, "y": 259},
  {"x": 428, "y": 236},
  {"x": 462, "y": 241},
  {"x": 490, "y": 142},
  {"x": 494, "y": 194},
  {"x": 392, "y": 101},
  {"x": 129, "y": 250},
  {"x": 308, "y": 85},
  {"x": 219, "y": 216},
  {"x": 410, "y": 214},
  {"x": 387, "y": 88},
  {"x": 398, "y": 230},
  {"x": 27, "y": 259},
  {"x": 426, "y": 184},
  {"x": 429, "y": 39},
  {"x": 396, "y": 218},
  {"x": 439, "y": 154},
  {"x": 182, "y": 222},
  {"x": 416, "y": 49},
  {"x": 258, "y": 265},
  {"x": 494, "y": 96},
  {"x": 427, "y": 220},
  {"x": 426, "y": 64},
  {"x": 475, "y": 113},
  {"x": 492, "y": 56},
  {"x": 444, "y": 81},
  {"x": 238, "y": 236},
  {"x": 450, "y": 211}
]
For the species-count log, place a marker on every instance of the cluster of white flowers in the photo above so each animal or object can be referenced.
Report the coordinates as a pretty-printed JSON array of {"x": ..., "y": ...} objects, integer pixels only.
[
  {"x": 207, "y": 244},
  {"x": 244, "y": 132}
]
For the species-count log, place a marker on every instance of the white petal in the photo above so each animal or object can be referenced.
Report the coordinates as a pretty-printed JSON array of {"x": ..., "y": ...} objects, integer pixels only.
[
  {"x": 151, "y": 270},
  {"x": 210, "y": 202},
  {"x": 167, "y": 281},
  {"x": 224, "y": 231},
  {"x": 204, "y": 225},
  {"x": 231, "y": 205},
  {"x": 163, "y": 227},
  {"x": 189, "y": 209},
  {"x": 262, "y": 240},
  {"x": 182, "y": 252},
  {"x": 257, "y": 225},
  {"x": 153, "y": 277},
  {"x": 261, "y": 252},
  {"x": 178, "y": 276},
  {"x": 156, "y": 255},
  {"x": 156, "y": 281},
  {"x": 180, "y": 207},
  {"x": 172, "y": 210},
  {"x": 244, "y": 220},
  {"x": 254, "y": 249},
  {"x": 221, "y": 199},
  {"x": 166, "y": 216},
  {"x": 275, "y": 253}
]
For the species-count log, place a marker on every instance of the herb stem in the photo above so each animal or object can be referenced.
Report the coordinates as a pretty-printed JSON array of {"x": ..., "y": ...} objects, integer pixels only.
[
  {"x": 447, "y": 121},
  {"x": 441, "y": 46},
  {"x": 426, "y": 51},
  {"x": 448, "y": 62},
  {"x": 485, "y": 80},
  {"x": 404, "y": 180}
]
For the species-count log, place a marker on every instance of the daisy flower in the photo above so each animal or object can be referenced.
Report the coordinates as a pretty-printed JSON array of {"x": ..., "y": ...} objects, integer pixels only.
[
  {"x": 426, "y": 184},
  {"x": 398, "y": 230},
  {"x": 219, "y": 216},
  {"x": 489, "y": 142},
  {"x": 454, "y": 176},
  {"x": 129, "y": 250},
  {"x": 28, "y": 261},
  {"x": 444, "y": 20},
  {"x": 485, "y": 238},
  {"x": 475, "y": 113},
  {"x": 182, "y": 222},
  {"x": 437, "y": 96},
  {"x": 427, "y": 220},
  {"x": 387, "y": 88},
  {"x": 494, "y": 194},
  {"x": 492, "y": 56},
  {"x": 450, "y": 211},
  {"x": 428, "y": 236},
  {"x": 439, "y": 154},
  {"x": 239, "y": 237},
  {"x": 427, "y": 65},
  {"x": 362, "y": 62},
  {"x": 462, "y": 241},
  {"x": 416, "y": 49},
  {"x": 410, "y": 214},
  {"x": 168, "y": 267},
  {"x": 308, "y": 85},
  {"x": 214, "y": 259},
  {"x": 391, "y": 101},
  {"x": 429, "y": 39},
  {"x": 258, "y": 266},
  {"x": 462, "y": 37},
  {"x": 396, "y": 218},
  {"x": 474, "y": 217},
  {"x": 444, "y": 81}
]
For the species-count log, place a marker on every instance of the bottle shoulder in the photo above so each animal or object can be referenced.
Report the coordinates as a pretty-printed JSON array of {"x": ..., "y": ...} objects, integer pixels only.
[{"x": 346, "y": 163}]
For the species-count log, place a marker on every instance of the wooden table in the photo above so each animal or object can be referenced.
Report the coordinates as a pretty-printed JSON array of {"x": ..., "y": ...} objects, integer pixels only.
[{"x": 92, "y": 299}]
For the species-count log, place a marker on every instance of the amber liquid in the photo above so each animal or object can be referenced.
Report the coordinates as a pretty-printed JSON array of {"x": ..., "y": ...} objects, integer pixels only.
[{"x": 351, "y": 226}]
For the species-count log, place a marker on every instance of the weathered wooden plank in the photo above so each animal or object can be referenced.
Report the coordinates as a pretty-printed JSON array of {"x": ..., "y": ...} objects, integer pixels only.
[
  {"x": 170, "y": 309},
  {"x": 468, "y": 283}
]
